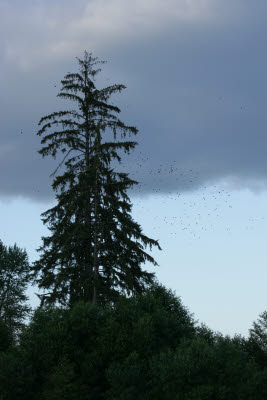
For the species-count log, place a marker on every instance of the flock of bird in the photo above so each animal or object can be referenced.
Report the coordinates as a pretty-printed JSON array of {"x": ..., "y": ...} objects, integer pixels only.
[
  {"x": 198, "y": 208},
  {"x": 192, "y": 216}
]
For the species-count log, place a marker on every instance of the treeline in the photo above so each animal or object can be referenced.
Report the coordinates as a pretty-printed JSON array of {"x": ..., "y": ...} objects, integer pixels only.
[
  {"x": 147, "y": 346},
  {"x": 106, "y": 328}
]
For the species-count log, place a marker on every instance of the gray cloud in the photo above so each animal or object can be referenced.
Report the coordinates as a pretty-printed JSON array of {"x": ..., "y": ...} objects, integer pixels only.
[{"x": 196, "y": 88}]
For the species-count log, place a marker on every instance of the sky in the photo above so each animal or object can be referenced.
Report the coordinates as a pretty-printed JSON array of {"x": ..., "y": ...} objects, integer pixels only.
[{"x": 195, "y": 72}]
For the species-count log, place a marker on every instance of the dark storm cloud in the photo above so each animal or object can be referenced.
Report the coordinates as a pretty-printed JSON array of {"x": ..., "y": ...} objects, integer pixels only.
[{"x": 196, "y": 90}]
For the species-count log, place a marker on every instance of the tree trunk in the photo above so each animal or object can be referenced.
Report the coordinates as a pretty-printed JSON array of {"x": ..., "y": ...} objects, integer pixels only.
[
  {"x": 89, "y": 269},
  {"x": 94, "y": 301}
]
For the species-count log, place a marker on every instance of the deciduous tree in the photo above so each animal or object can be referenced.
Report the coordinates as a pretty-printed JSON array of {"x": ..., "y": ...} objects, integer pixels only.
[{"x": 14, "y": 280}]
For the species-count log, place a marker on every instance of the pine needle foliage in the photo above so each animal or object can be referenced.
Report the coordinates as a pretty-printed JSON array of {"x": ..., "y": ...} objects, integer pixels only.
[{"x": 90, "y": 254}]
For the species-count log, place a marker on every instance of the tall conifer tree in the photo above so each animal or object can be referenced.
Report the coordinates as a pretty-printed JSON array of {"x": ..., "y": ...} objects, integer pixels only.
[{"x": 90, "y": 254}]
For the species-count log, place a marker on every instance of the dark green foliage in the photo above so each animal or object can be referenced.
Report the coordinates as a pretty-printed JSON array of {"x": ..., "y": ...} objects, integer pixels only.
[
  {"x": 14, "y": 280},
  {"x": 90, "y": 255},
  {"x": 16, "y": 376},
  {"x": 203, "y": 366},
  {"x": 259, "y": 332},
  {"x": 43, "y": 342},
  {"x": 257, "y": 343},
  {"x": 144, "y": 347},
  {"x": 5, "y": 336},
  {"x": 147, "y": 323},
  {"x": 198, "y": 370}
]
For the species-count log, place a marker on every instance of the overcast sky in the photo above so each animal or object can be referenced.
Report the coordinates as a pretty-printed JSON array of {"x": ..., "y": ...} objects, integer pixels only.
[{"x": 196, "y": 79}]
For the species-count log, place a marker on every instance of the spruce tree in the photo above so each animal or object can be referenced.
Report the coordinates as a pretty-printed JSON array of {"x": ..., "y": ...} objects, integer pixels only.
[{"x": 90, "y": 254}]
